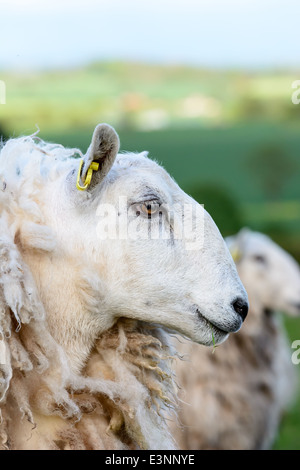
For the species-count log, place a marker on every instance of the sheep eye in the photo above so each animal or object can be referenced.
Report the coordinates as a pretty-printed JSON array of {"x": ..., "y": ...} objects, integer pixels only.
[
  {"x": 148, "y": 209},
  {"x": 260, "y": 259}
]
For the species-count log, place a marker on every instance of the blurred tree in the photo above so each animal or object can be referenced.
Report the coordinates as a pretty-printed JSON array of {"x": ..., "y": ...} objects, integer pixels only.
[
  {"x": 272, "y": 166},
  {"x": 221, "y": 206}
]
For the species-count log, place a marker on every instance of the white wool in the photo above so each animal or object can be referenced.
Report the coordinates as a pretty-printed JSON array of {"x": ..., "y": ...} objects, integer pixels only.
[
  {"x": 73, "y": 365},
  {"x": 23, "y": 167}
]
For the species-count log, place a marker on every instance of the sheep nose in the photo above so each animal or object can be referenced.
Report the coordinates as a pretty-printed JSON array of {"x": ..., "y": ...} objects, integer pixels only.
[{"x": 241, "y": 307}]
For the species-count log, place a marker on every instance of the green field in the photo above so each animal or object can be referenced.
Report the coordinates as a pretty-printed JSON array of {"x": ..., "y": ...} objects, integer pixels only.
[{"x": 230, "y": 139}]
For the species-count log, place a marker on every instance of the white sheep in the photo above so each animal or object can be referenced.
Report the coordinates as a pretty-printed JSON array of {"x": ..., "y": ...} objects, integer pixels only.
[
  {"x": 95, "y": 261},
  {"x": 235, "y": 397}
]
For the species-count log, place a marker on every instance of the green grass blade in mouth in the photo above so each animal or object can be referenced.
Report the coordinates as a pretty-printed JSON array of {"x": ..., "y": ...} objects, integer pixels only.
[{"x": 213, "y": 339}]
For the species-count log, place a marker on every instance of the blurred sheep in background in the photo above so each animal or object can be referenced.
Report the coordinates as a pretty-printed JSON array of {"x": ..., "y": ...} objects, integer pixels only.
[{"x": 235, "y": 397}]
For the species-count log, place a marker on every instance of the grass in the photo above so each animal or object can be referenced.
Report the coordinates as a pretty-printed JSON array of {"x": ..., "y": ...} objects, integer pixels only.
[{"x": 213, "y": 339}]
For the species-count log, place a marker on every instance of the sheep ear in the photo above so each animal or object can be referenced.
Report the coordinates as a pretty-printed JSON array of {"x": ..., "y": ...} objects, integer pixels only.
[
  {"x": 242, "y": 235},
  {"x": 103, "y": 150},
  {"x": 236, "y": 244}
]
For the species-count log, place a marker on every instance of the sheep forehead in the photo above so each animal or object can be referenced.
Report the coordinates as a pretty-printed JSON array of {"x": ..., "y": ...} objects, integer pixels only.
[
  {"x": 258, "y": 243},
  {"x": 134, "y": 164},
  {"x": 141, "y": 172},
  {"x": 128, "y": 159}
]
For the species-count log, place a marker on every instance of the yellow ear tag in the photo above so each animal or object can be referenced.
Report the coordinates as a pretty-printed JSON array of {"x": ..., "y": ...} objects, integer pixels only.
[
  {"x": 236, "y": 254},
  {"x": 94, "y": 166}
]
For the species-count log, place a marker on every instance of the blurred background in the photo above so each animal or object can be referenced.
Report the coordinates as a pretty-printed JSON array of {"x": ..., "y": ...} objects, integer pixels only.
[{"x": 204, "y": 85}]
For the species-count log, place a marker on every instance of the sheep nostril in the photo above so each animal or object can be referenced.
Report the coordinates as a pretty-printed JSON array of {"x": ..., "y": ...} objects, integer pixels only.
[{"x": 241, "y": 307}]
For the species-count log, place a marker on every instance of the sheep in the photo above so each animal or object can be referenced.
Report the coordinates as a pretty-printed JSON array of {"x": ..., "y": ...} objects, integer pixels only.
[
  {"x": 97, "y": 266},
  {"x": 235, "y": 397}
]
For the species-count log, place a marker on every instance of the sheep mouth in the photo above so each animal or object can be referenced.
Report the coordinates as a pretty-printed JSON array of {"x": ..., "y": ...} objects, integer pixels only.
[{"x": 216, "y": 329}]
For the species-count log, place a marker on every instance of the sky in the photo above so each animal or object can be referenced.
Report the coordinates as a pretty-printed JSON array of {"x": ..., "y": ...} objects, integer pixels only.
[{"x": 250, "y": 34}]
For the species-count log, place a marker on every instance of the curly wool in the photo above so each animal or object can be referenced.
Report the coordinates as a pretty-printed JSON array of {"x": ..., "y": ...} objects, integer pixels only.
[{"x": 120, "y": 399}]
